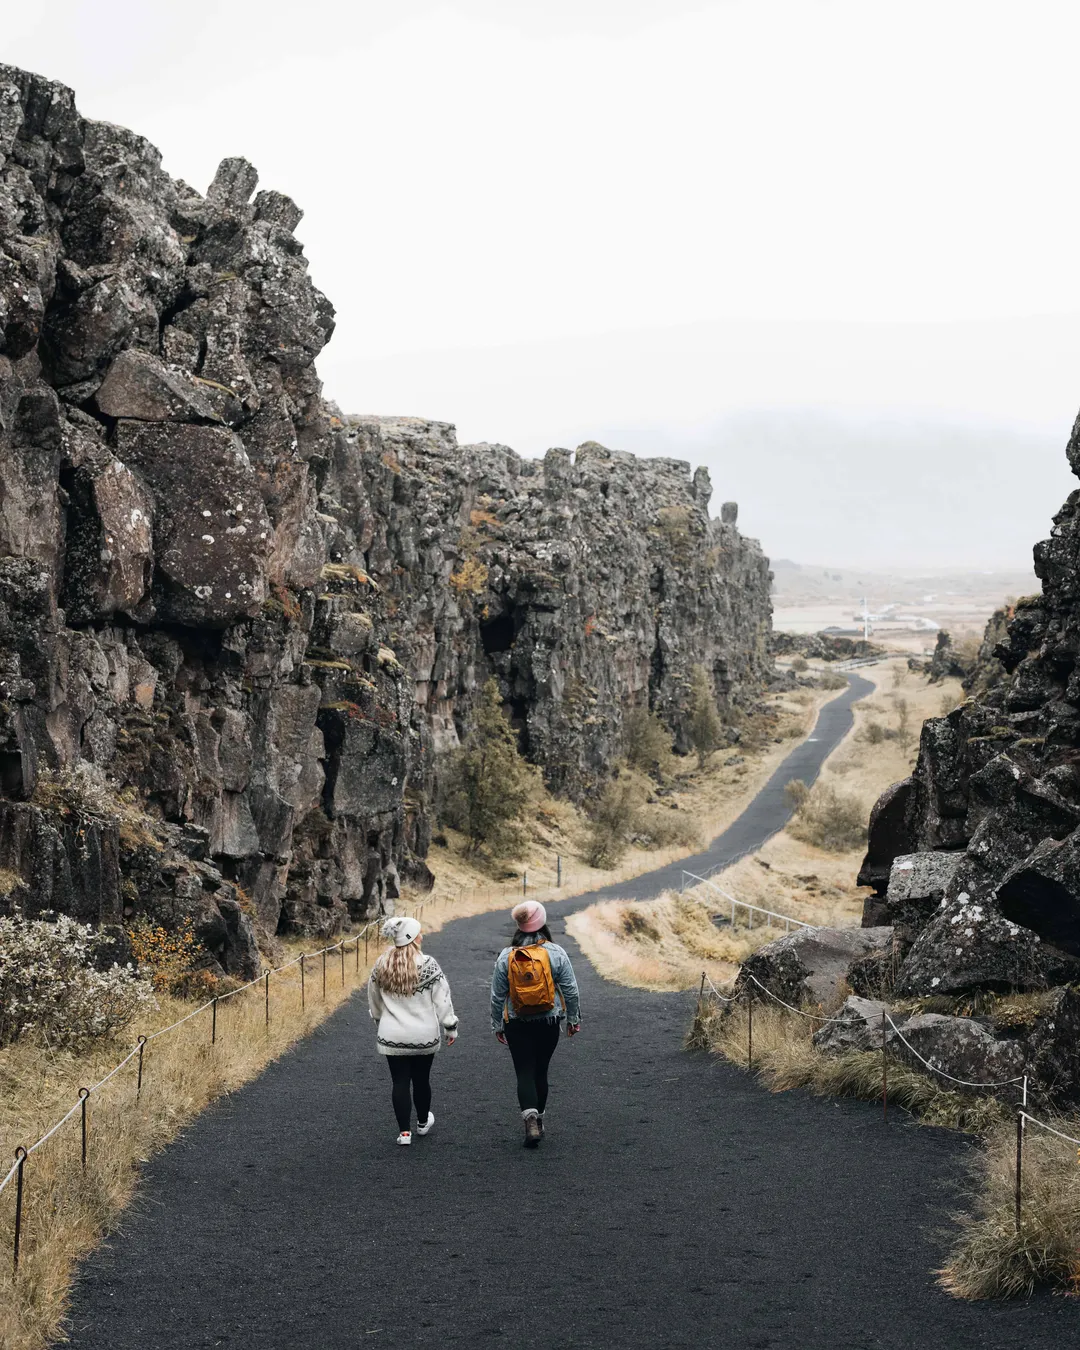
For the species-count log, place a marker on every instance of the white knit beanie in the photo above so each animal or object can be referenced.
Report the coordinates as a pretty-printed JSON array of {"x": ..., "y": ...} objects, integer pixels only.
[{"x": 401, "y": 930}]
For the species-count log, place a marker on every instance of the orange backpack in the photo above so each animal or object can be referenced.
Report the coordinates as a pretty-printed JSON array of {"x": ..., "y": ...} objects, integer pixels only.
[{"x": 532, "y": 988}]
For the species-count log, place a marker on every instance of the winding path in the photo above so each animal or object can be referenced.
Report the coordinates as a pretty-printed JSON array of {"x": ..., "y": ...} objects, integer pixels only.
[{"x": 674, "y": 1203}]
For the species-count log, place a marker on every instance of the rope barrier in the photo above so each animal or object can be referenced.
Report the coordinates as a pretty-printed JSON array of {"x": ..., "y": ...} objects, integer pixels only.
[
  {"x": 85, "y": 1093},
  {"x": 716, "y": 992},
  {"x": 964, "y": 1082},
  {"x": 1049, "y": 1128},
  {"x": 815, "y": 1017}
]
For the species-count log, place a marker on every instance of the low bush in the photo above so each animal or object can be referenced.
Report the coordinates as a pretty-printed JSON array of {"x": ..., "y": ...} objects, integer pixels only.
[
  {"x": 660, "y": 827},
  {"x": 169, "y": 959},
  {"x": 826, "y": 818},
  {"x": 52, "y": 986},
  {"x": 612, "y": 821},
  {"x": 646, "y": 741}
]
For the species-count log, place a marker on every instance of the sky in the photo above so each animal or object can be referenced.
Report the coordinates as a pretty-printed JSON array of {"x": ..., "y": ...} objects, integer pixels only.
[{"x": 826, "y": 247}]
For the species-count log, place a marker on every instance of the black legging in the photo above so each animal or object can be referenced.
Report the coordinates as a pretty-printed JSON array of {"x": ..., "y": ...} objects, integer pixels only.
[
  {"x": 410, "y": 1071},
  {"x": 532, "y": 1043}
]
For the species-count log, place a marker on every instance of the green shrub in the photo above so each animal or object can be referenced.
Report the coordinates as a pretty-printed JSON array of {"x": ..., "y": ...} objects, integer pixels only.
[
  {"x": 486, "y": 785},
  {"x": 646, "y": 741},
  {"x": 613, "y": 819},
  {"x": 705, "y": 729}
]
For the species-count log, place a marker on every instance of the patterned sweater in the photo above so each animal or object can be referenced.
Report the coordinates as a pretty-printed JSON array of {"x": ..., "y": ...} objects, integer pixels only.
[{"x": 413, "y": 1025}]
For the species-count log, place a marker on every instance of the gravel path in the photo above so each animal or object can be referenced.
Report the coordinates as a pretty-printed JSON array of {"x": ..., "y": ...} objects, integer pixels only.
[{"x": 674, "y": 1204}]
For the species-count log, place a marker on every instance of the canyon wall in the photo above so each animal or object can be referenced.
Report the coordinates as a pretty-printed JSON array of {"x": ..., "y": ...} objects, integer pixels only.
[
  {"x": 236, "y": 625},
  {"x": 992, "y": 809}
]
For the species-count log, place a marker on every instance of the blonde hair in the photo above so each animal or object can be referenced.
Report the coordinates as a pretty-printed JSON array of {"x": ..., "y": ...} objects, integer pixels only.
[{"x": 395, "y": 971}]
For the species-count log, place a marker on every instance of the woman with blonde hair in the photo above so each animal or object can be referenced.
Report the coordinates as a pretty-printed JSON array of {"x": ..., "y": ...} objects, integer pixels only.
[{"x": 409, "y": 999}]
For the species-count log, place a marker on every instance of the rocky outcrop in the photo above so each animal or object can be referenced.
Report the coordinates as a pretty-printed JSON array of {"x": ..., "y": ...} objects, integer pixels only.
[
  {"x": 823, "y": 646},
  {"x": 974, "y": 858},
  {"x": 236, "y": 626},
  {"x": 809, "y": 965},
  {"x": 588, "y": 583}
]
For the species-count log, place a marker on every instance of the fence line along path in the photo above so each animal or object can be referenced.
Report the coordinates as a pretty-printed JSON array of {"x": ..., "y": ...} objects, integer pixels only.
[{"x": 16, "y": 1176}]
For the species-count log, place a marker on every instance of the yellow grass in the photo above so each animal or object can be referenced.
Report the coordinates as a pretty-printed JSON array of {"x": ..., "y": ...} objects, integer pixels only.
[
  {"x": 991, "y": 1259},
  {"x": 711, "y": 797},
  {"x": 66, "y": 1210},
  {"x": 795, "y": 877},
  {"x": 784, "y": 1058},
  {"x": 664, "y": 943}
]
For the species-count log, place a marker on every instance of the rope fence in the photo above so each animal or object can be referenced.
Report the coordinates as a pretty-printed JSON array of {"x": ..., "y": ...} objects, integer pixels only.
[
  {"x": 16, "y": 1174},
  {"x": 1023, "y": 1117}
]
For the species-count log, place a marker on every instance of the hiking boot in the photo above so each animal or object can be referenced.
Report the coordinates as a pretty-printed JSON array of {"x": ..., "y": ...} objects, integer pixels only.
[
  {"x": 533, "y": 1131},
  {"x": 423, "y": 1129},
  {"x": 404, "y": 1137}
]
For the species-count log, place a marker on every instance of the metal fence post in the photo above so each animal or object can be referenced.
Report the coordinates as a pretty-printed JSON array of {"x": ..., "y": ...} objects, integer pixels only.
[
  {"x": 324, "y": 972},
  {"x": 524, "y": 883},
  {"x": 303, "y": 1003},
  {"x": 884, "y": 1072},
  {"x": 213, "y": 1020},
  {"x": 20, "y": 1157},
  {"x": 749, "y": 1031},
  {"x": 1019, "y": 1162},
  {"x": 138, "y": 1084},
  {"x": 341, "y": 949},
  {"x": 558, "y": 869},
  {"x": 266, "y": 996},
  {"x": 84, "y": 1093},
  {"x": 358, "y": 955}
]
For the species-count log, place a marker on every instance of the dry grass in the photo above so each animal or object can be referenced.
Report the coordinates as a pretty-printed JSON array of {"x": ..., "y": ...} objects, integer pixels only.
[
  {"x": 795, "y": 876},
  {"x": 785, "y": 1058},
  {"x": 993, "y": 1260},
  {"x": 708, "y": 800},
  {"x": 664, "y": 943},
  {"x": 66, "y": 1210}
]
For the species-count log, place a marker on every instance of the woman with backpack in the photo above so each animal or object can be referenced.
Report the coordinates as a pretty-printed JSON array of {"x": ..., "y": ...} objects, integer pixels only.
[
  {"x": 409, "y": 998},
  {"x": 532, "y": 990}
]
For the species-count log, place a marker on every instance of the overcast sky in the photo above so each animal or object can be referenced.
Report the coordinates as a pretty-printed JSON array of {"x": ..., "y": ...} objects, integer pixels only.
[{"x": 827, "y": 247}]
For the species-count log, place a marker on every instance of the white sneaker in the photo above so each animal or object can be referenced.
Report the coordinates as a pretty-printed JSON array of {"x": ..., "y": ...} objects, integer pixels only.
[
  {"x": 423, "y": 1129},
  {"x": 404, "y": 1137}
]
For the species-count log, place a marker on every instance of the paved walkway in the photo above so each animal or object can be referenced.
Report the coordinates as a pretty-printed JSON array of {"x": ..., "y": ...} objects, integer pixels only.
[{"x": 674, "y": 1204}]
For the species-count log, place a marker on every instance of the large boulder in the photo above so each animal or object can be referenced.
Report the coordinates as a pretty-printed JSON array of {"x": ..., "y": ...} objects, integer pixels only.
[
  {"x": 858, "y": 1027},
  {"x": 970, "y": 945},
  {"x": 808, "y": 966},
  {"x": 962, "y": 1048},
  {"x": 888, "y": 836},
  {"x": 1043, "y": 893}
]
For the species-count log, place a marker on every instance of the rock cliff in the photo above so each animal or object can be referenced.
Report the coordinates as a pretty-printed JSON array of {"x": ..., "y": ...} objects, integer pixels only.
[
  {"x": 236, "y": 626},
  {"x": 975, "y": 859}
]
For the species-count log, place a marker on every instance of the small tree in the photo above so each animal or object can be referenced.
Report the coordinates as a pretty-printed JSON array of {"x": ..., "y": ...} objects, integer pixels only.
[
  {"x": 706, "y": 730},
  {"x": 487, "y": 783},
  {"x": 613, "y": 819},
  {"x": 646, "y": 740}
]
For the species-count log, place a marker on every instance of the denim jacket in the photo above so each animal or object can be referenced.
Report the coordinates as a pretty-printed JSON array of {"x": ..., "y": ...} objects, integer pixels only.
[{"x": 566, "y": 990}]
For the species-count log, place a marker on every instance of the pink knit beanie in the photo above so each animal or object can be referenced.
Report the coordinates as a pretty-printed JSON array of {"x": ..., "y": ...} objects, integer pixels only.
[{"x": 530, "y": 916}]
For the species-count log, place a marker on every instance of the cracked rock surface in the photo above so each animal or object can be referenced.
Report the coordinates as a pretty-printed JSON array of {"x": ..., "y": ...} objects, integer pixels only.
[{"x": 237, "y": 627}]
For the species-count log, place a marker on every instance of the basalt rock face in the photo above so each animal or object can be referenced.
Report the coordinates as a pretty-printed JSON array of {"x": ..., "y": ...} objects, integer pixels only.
[
  {"x": 587, "y": 583},
  {"x": 168, "y": 621},
  {"x": 997, "y": 790},
  {"x": 236, "y": 626}
]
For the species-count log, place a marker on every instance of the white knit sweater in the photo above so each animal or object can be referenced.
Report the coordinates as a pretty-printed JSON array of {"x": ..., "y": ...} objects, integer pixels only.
[{"x": 413, "y": 1025}]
